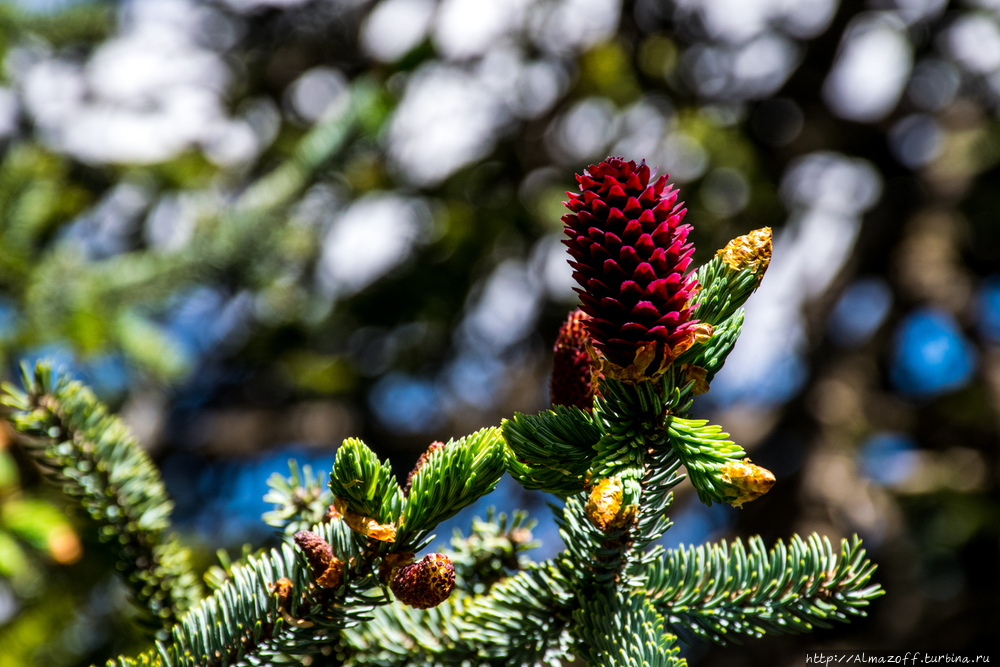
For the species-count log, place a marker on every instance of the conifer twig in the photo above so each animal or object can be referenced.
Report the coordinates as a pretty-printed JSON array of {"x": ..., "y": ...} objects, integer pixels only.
[
  {"x": 714, "y": 592},
  {"x": 271, "y": 608},
  {"x": 95, "y": 460}
]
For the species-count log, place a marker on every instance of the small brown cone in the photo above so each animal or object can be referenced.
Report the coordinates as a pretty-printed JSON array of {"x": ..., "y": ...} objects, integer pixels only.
[
  {"x": 435, "y": 446},
  {"x": 424, "y": 584},
  {"x": 282, "y": 589},
  {"x": 327, "y": 569}
]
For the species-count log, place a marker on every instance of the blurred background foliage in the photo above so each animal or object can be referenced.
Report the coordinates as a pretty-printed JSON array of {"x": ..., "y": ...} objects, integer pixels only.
[{"x": 257, "y": 227}]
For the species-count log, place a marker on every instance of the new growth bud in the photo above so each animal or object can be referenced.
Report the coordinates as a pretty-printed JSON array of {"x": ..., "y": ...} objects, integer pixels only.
[
  {"x": 751, "y": 251},
  {"x": 604, "y": 505},
  {"x": 732, "y": 276},
  {"x": 327, "y": 569},
  {"x": 747, "y": 481},
  {"x": 573, "y": 375},
  {"x": 424, "y": 584}
]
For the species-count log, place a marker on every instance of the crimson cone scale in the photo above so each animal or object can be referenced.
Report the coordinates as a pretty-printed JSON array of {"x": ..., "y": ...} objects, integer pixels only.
[
  {"x": 573, "y": 376},
  {"x": 630, "y": 256}
]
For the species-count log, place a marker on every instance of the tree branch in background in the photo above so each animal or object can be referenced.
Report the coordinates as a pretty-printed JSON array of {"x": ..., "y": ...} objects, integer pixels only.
[{"x": 93, "y": 458}]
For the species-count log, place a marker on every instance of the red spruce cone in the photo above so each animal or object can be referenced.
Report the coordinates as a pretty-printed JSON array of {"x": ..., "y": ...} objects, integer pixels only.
[
  {"x": 424, "y": 584},
  {"x": 631, "y": 258},
  {"x": 573, "y": 374}
]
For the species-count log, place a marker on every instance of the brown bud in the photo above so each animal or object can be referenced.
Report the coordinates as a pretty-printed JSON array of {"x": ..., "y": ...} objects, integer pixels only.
[
  {"x": 367, "y": 526},
  {"x": 751, "y": 251},
  {"x": 333, "y": 575},
  {"x": 424, "y": 584},
  {"x": 282, "y": 589},
  {"x": 331, "y": 514},
  {"x": 327, "y": 569},
  {"x": 748, "y": 481},
  {"x": 318, "y": 552},
  {"x": 604, "y": 506},
  {"x": 437, "y": 445}
]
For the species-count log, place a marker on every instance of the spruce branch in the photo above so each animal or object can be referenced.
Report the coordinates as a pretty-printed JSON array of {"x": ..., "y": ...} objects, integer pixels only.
[
  {"x": 95, "y": 460},
  {"x": 524, "y": 619},
  {"x": 364, "y": 485},
  {"x": 631, "y": 417},
  {"x": 723, "y": 291},
  {"x": 633, "y": 454},
  {"x": 551, "y": 451},
  {"x": 729, "y": 278},
  {"x": 486, "y": 562},
  {"x": 295, "y": 601},
  {"x": 495, "y": 549},
  {"x": 710, "y": 356},
  {"x": 612, "y": 597},
  {"x": 400, "y": 636},
  {"x": 623, "y": 630},
  {"x": 271, "y": 608},
  {"x": 217, "y": 575},
  {"x": 717, "y": 467},
  {"x": 715, "y": 592},
  {"x": 661, "y": 477},
  {"x": 592, "y": 554},
  {"x": 451, "y": 479},
  {"x": 526, "y": 625}
]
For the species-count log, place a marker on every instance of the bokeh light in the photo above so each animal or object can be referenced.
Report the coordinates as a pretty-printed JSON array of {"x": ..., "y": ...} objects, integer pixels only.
[{"x": 931, "y": 355}]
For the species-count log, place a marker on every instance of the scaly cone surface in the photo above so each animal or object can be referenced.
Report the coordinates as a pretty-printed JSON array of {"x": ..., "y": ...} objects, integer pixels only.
[
  {"x": 573, "y": 374},
  {"x": 424, "y": 584},
  {"x": 631, "y": 260}
]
